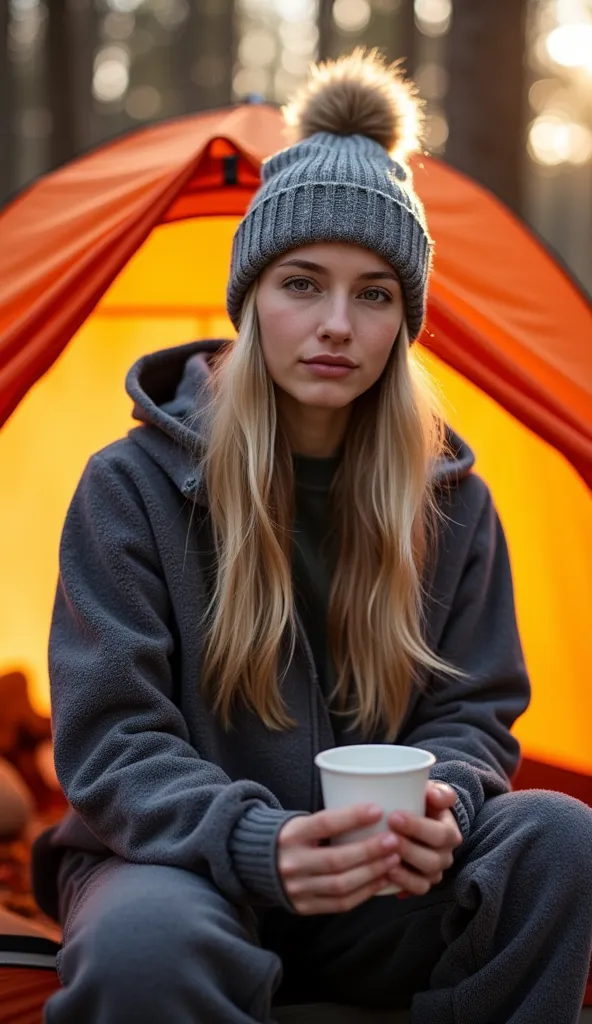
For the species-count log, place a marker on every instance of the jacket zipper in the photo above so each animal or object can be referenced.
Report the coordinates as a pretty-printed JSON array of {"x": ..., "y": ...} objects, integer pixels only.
[{"x": 313, "y": 690}]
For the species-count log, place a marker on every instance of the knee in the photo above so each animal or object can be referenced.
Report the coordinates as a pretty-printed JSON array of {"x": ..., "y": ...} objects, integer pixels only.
[
  {"x": 139, "y": 931},
  {"x": 142, "y": 941},
  {"x": 557, "y": 825}
]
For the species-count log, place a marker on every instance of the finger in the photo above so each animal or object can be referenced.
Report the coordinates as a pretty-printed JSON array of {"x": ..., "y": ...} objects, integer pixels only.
[
  {"x": 327, "y": 824},
  {"x": 338, "y": 904},
  {"x": 339, "y": 886},
  {"x": 427, "y": 861},
  {"x": 440, "y": 794},
  {"x": 448, "y": 819},
  {"x": 334, "y": 860},
  {"x": 412, "y": 882},
  {"x": 430, "y": 831},
  {"x": 434, "y": 811}
]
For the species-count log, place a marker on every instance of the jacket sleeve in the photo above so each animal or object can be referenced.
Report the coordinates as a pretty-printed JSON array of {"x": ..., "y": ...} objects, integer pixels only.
[
  {"x": 122, "y": 749},
  {"x": 466, "y": 722}
]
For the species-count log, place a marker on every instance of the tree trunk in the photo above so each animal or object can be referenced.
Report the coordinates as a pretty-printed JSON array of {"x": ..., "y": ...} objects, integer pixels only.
[
  {"x": 408, "y": 37},
  {"x": 207, "y": 54},
  {"x": 7, "y": 106},
  {"x": 61, "y": 84},
  {"x": 325, "y": 26},
  {"x": 83, "y": 34},
  {"x": 485, "y": 104}
]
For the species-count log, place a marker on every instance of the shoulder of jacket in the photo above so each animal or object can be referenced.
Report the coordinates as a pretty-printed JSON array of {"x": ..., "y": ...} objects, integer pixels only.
[
  {"x": 468, "y": 498},
  {"x": 128, "y": 456}
]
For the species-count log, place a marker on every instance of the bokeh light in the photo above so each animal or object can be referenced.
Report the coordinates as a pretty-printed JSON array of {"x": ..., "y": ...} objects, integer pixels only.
[
  {"x": 569, "y": 11},
  {"x": 571, "y": 45},
  {"x": 253, "y": 8},
  {"x": 251, "y": 81},
  {"x": 351, "y": 15},
  {"x": 25, "y": 28},
  {"x": 18, "y": 7},
  {"x": 432, "y": 80},
  {"x": 295, "y": 10},
  {"x": 542, "y": 92},
  {"x": 553, "y": 140},
  {"x": 436, "y": 132},
  {"x": 277, "y": 42},
  {"x": 257, "y": 49},
  {"x": 433, "y": 17},
  {"x": 124, "y": 6},
  {"x": 110, "y": 81},
  {"x": 143, "y": 102},
  {"x": 118, "y": 26},
  {"x": 301, "y": 39},
  {"x": 296, "y": 63},
  {"x": 580, "y": 138},
  {"x": 111, "y": 73},
  {"x": 171, "y": 14},
  {"x": 284, "y": 85}
]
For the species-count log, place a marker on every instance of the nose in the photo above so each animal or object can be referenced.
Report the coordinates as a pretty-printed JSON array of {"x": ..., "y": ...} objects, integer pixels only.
[{"x": 335, "y": 324}]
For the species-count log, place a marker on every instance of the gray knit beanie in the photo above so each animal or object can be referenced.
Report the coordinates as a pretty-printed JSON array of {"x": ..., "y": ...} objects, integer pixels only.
[{"x": 345, "y": 180}]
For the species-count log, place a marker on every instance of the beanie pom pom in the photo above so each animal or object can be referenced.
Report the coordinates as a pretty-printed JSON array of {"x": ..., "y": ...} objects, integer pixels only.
[{"x": 358, "y": 94}]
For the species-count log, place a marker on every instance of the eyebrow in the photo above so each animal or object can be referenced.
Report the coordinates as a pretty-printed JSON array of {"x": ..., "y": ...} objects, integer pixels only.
[{"x": 372, "y": 275}]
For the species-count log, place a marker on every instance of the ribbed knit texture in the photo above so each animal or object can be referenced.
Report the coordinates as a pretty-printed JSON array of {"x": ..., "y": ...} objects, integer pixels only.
[
  {"x": 253, "y": 849},
  {"x": 334, "y": 188}
]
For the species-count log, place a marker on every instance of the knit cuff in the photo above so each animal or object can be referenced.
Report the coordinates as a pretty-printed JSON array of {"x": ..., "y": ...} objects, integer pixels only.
[
  {"x": 459, "y": 810},
  {"x": 462, "y": 818},
  {"x": 253, "y": 849}
]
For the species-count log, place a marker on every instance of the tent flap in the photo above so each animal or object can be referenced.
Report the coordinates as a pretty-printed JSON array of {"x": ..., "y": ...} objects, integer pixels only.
[{"x": 501, "y": 311}]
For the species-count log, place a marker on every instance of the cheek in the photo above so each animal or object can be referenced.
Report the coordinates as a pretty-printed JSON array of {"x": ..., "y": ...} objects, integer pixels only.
[
  {"x": 282, "y": 330},
  {"x": 377, "y": 350}
]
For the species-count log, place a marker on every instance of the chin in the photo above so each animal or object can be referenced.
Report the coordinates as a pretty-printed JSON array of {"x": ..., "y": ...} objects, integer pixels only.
[{"x": 333, "y": 396}]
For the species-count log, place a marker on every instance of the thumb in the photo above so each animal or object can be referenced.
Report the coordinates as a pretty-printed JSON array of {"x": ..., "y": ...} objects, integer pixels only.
[{"x": 441, "y": 794}]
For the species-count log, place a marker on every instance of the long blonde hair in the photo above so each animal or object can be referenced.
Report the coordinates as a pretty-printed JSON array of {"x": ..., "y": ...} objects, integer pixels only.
[{"x": 385, "y": 514}]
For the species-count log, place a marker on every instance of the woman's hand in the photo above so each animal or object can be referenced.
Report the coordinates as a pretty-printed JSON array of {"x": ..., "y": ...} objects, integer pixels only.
[
  {"x": 426, "y": 845},
  {"x": 330, "y": 879}
]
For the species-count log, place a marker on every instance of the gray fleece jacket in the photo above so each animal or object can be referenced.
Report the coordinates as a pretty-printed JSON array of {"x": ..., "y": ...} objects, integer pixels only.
[{"x": 148, "y": 770}]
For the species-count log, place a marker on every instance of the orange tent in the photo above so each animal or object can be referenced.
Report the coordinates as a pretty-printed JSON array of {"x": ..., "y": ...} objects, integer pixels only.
[{"x": 126, "y": 250}]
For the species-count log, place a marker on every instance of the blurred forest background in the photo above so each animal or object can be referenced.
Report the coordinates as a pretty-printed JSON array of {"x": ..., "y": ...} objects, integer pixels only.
[{"x": 507, "y": 84}]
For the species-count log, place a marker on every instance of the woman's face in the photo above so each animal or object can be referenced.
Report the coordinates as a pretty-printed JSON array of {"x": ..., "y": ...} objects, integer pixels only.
[{"x": 328, "y": 301}]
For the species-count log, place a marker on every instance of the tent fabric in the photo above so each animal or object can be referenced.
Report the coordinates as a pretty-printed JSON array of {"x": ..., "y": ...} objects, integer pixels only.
[
  {"x": 500, "y": 310},
  {"x": 126, "y": 251}
]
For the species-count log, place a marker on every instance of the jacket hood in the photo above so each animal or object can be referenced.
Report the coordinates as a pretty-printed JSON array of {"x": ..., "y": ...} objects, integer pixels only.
[{"x": 169, "y": 390}]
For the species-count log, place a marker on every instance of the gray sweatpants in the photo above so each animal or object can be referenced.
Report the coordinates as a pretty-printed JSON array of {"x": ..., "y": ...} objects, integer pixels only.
[{"x": 506, "y": 938}]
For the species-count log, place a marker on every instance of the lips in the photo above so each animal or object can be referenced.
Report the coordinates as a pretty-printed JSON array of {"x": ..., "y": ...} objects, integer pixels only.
[{"x": 331, "y": 361}]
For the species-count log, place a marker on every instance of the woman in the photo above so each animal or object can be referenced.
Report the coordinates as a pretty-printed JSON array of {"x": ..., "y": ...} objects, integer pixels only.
[{"x": 291, "y": 553}]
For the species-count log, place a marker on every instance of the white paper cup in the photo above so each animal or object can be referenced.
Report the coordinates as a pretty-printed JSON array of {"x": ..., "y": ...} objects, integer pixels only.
[{"x": 394, "y": 777}]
